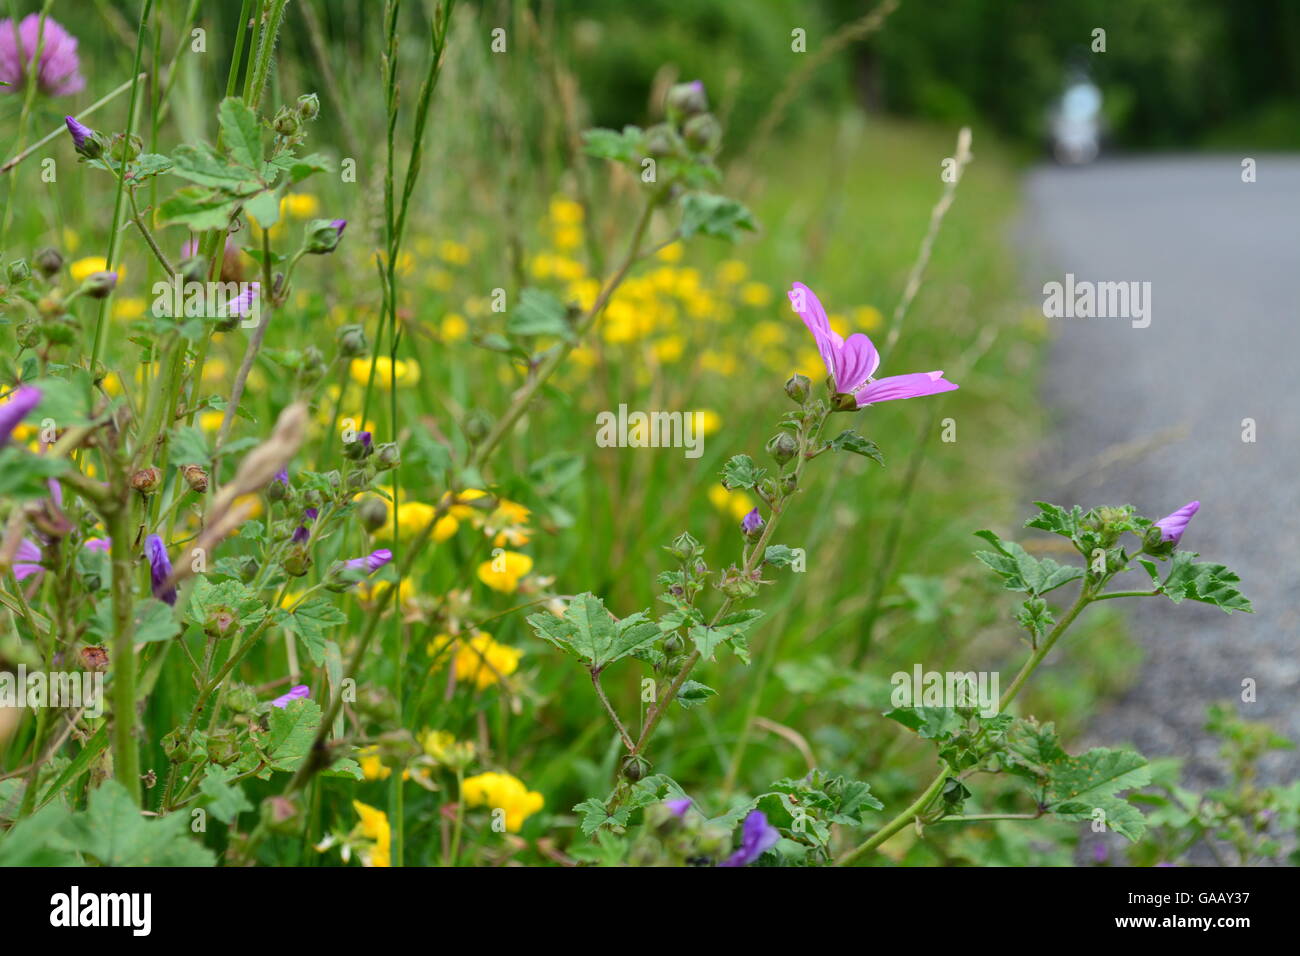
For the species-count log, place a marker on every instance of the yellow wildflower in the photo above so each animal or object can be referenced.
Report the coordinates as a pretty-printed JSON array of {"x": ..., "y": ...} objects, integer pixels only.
[
  {"x": 868, "y": 318},
  {"x": 670, "y": 349},
  {"x": 479, "y": 660},
  {"x": 300, "y": 206},
  {"x": 504, "y": 571},
  {"x": 82, "y": 269},
  {"x": 566, "y": 238},
  {"x": 372, "y": 767},
  {"x": 502, "y": 792},
  {"x": 442, "y": 747},
  {"x": 737, "y": 502},
  {"x": 374, "y": 826},
  {"x": 708, "y": 421},
  {"x": 372, "y": 591},
  {"x": 671, "y": 252},
  {"x": 755, "y": 294},
  {"x": 129, "y": 308},
  {"x": 454, "y": 327},
  {"x": 733, "y": 272},
  {"x": 565, "y": 212},
  {"x": 414, "y": 516},
  {"x": 453, "y": 253},
  {"x": 407, "y": 373}
]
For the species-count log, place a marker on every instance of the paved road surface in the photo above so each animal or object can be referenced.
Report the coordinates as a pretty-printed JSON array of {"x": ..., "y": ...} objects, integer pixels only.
[{"x": 1223, "y": 260}]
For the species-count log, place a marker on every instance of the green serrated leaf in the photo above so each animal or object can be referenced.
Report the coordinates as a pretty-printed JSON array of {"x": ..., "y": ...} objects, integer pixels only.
[
  {"x": 227, "y": 798},
  {"x": 741, "y": 472},
  {"x": 851, "y": 441},
  {"x": 693, "y": 693},
  {"x": 241, "y": 132},
  {"x": 588, "y": 631},
  {"x": 113, "y": 832},
  {"x": 538, "y": 313},
  {"x": 706, "y": 214}
]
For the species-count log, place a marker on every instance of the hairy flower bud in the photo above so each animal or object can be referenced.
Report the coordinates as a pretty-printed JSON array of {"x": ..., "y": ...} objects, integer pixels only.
[
  {"x": 388, "y": 455},
  {"x": 176, "y": 746},
  {"x": 18, "y": 272},
  {"x": 297, "y": 560},
  {"x": 373, "y": 514},
  {"x": 195, "y": 477},
  {"x": 798, "y": 387},
  {"x": 287, "y": 121},
  {"x": 659, "y": 141},
  {"x": 309, "y": 106},
  {"x": 223, "y": 748},
  {"x": 147, "y": 480},
  {"x": 476, "y": 425},
  {"x": 685, "y": 548},
  {"x": 85, "y": 140},
  {"x": 703, "y": 133},
  {"x": 782, "y": 447},
  {"x": 48, "y": 261},
  {"x": 323, "y": 235},
  {"x": 352, "y": 341},
  {"x": 686, "y": 100},
  {"x": 98, "y": 285},
  {"x": 635, "y": 767}
]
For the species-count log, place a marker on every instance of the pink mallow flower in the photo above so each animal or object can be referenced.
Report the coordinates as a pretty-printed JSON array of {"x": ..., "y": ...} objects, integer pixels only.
[
  {"x": 58, "y": 73},
  {"x": 853, "y": 361}
]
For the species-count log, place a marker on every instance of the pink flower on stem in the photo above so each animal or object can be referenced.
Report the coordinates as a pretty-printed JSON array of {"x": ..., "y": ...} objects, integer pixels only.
[{"x": 853, "y": 361}]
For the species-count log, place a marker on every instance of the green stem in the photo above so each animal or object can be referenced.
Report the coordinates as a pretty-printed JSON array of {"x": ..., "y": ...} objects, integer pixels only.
[
  {"x": 126, "y": 756},
  {"x": 753, "y": 559},
  {"x": 936, "y": 785},
  {"x": 525, "y": 395}
]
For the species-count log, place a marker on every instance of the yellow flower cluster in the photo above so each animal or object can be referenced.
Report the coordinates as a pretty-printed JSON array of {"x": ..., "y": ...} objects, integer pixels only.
[
  {"x": 442, "y": 747},
  {"x": 505, "y": 570},
  {"x": 374, "y": 828},
  {"x": 479, "y": 660},
  {"x": 407, "y": 372},
  {"x": 501, "y": 791}
]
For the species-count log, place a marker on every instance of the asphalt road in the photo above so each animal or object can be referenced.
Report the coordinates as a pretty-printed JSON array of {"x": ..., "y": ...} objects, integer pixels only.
[{"x": 1223, "y": 345}]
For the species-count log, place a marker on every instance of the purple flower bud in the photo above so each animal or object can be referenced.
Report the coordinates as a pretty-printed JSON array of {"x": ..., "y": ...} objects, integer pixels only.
[
  {"x": 295, "y": 693},
  {"x": 756, "y": 838},
  {"x": 310, "y": 514},
  {"x": 323, "y": 235},
  {"x": 13, "y": 411},
  {"x": 371, "y": 562},
  {"x": 160, "y": 568},
  {"x": 282, "y": 476},
  {"x": 678, "y": 807},
  {"x": 81, "y": 133},
  {"x": 99, "y": 285},
  {"x": 1173, "y": 525},
  {"x": 301, "y": 535},
  {"x": 752, "y": 523}
]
